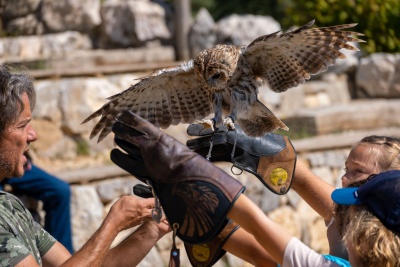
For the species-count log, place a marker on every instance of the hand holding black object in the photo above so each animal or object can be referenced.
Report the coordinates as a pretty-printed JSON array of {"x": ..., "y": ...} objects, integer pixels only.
[
  {"x": 133, "y": 163},
  {"x": 271, "y": 158},
  {"x": 215, "y": 246},
  {"x": 195, "y": 195}
]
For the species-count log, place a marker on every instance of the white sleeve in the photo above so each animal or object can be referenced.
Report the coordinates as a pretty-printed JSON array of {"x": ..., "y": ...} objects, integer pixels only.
[{"x": 298, "y": 254}]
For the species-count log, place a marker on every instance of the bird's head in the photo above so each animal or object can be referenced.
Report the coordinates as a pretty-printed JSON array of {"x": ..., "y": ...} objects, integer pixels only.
[{"x": 215, "y": 66}]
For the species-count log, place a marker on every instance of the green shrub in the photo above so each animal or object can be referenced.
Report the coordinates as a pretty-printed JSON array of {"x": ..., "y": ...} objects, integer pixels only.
[{"x": 379, "y": 20}]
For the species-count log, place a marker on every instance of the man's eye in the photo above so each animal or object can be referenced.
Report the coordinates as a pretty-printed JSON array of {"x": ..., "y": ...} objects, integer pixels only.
[{"x": 22, "y": 126}]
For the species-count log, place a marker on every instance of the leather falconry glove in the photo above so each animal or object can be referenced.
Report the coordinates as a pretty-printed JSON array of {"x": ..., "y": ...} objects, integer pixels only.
[
  {"x": 271, "y": 158},
  {"x": 195, "y": 195},
  {"x": 207, "y": 254},
  {"x": 200, "y": 255}
]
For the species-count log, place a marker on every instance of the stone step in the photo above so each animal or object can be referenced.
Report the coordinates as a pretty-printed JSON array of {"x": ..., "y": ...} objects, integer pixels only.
[
  {"x": 103, "y": 62},
  {"x": 89, "y": 174},
  {"x": 356, "y": 115},
  {"x": 340, "y": 140}
]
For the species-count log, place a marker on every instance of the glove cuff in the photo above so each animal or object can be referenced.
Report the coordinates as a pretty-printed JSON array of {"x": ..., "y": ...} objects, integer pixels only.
[
  {"x": 276, "y": 172},
  {"x": 207, "y": 254}
]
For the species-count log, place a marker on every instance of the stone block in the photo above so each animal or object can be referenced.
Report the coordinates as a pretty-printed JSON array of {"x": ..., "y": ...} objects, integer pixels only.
[
  {"x": 360, "y": 114},
  {"x": 379, "y": 76},
  {"x": 70, "y": 15},
  {"x": 87, "y": 213},
  {"x": 114, "y": 188}
]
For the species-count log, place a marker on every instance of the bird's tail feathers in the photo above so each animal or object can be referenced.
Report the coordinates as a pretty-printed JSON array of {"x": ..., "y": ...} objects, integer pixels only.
[
  {"x": 94, "y": 115},
  {"x": 103, "y": 127},
  {"x": 259, "y": 120}
]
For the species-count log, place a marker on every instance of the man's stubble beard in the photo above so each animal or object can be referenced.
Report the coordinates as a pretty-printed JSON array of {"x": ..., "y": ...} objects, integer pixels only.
[{"x": 7, "y": 167}]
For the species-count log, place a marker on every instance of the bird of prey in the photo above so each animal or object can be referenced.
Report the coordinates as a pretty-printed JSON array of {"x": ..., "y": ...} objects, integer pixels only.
[{"x": 224, "y": 81}]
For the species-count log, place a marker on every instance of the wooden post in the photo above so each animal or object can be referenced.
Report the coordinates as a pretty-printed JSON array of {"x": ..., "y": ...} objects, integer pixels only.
[{"x": 182, "y": 23}]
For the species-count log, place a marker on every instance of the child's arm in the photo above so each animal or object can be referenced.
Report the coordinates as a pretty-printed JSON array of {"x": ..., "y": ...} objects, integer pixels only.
[{"x": 272, "y": 237}]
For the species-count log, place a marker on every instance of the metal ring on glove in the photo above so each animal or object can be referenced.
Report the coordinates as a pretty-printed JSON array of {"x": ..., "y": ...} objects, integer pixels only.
[{"x": 241, "y": 170}]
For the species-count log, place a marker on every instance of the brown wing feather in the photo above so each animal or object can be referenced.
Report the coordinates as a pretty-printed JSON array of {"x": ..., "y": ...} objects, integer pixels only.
[
  {"x": 288, "y": 59},
  {"x": 167, "y": 97}
]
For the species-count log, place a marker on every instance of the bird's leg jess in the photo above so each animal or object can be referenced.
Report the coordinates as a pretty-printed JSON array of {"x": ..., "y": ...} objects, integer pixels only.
[
  {"x": 217, "y": 120},
  {"x": 217, "y": 105},
  {"x": 229, "y": 121},
  {"x": 214, "y": 122},
  {"x": 156, "y": 212},
  {"x": 211, "y": 146}
]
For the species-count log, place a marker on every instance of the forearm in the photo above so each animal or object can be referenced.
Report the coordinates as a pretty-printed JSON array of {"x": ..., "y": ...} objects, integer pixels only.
[
  {"x": 244, "y": 245},
  {"x": 135, "y": 247},
  {"x": 95, "y": 249},
  {"x": 314, "y": 190},
  {"x": 270, "y": 235},
  {"x": 125, "y": 213}
]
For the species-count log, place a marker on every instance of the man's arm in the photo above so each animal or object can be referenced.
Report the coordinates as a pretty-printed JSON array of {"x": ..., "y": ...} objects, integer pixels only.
[
  {"x": 136, "y": 246},
  {"x": 127, "y": 212},
  {"x": 315, "y": 191},
  {"x": 56, "y": 256}
]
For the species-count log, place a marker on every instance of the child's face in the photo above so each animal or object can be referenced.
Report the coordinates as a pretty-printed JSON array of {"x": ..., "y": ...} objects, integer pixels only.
[{"x": 361, "y": 163}]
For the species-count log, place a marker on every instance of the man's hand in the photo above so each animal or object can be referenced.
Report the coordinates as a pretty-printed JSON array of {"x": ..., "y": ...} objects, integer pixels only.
[
  {"x": 159, "y": 229},
  {"x": 129, "y": 211}
]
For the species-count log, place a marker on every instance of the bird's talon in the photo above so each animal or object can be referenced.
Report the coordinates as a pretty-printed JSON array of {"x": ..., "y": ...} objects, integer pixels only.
[
  {"x": 228, "y": 122},
  {"x": 207, "y": 124}
]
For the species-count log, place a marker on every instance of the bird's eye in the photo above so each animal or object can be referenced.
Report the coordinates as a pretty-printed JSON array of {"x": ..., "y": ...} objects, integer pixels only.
[{"x": 216, "y": 76}]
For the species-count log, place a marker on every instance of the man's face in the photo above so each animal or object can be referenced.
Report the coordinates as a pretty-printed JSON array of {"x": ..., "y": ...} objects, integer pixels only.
[{"x": 15, "y": 142}]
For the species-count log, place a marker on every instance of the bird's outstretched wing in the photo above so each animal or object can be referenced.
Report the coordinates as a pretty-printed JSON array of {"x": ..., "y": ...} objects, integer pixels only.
[
  {"x": 286, "y": 60},
  {"x": 166, "y": 97}
]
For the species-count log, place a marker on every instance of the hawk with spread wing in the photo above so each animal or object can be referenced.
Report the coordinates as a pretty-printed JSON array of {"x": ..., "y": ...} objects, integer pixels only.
[{"x": 224, "y": 81}]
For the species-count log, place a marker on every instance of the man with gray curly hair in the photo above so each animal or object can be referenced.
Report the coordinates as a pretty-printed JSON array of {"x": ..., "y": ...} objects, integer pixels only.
[{"x": 23, "y": 242}]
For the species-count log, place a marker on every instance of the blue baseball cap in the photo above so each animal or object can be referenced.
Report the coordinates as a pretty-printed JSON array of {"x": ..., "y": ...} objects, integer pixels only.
[{"x": 381, "y": 195}]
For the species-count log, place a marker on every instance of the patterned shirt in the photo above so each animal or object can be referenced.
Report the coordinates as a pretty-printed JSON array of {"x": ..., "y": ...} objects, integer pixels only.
[{"x": 20, "y": 235}]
